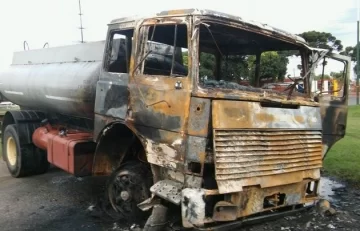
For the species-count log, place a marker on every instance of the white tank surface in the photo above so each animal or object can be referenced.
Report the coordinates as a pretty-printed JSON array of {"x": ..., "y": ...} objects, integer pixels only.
[
  {"x": 59, "y": 79},
  {"x": 63, "y": 79}
]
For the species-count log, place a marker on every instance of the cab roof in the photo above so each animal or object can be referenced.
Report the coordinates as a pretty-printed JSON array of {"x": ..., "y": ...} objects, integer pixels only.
[{"x": 212, "y": 13}]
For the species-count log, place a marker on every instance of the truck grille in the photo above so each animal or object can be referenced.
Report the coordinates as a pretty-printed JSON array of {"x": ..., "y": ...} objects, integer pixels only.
[{"x": 242, "y": 154}]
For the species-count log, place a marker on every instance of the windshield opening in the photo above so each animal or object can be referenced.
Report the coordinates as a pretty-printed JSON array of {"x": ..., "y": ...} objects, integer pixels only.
[{"x": 237, "y": 59}]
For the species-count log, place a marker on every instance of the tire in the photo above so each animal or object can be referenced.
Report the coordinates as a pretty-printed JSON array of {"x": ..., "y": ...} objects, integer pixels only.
[
  {"x": 138, "y": 180},
  {"x": 22, "y": 160}
]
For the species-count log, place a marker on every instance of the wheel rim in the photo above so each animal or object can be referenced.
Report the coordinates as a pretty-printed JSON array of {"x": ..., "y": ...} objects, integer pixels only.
[
  {"x": 11, "y": 151},
  {"x": 127, "y": 189}
]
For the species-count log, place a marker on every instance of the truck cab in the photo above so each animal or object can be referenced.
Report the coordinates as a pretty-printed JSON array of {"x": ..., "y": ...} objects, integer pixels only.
[{"x": 183, "y": 95}]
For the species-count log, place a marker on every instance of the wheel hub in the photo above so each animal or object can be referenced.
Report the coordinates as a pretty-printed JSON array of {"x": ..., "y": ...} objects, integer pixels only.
[
  {"x": 126, "y": 190},
  {"x": 11, "y": 153},
  {"x": 124, "y": 195}
]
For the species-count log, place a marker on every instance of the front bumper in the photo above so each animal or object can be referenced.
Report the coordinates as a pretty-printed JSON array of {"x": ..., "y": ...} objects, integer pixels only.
[{"x": 203, "y": 208}]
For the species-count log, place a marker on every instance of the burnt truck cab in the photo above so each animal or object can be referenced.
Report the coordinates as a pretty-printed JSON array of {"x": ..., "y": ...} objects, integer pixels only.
[
  {"x": 184, "y": 110},
  {"x": 222, "y": 147}
]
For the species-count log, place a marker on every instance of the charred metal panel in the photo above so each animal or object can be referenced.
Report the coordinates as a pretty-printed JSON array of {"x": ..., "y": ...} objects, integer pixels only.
[
  {"x": 192, "y": 181},
  {"x": 168, "y": 190},
  {"x": 334, "y": 109},
  {"x": 112, "y": 97},
  {"x": 250, "y": 24},
  {"x": 239, "y": 114},
  {"x": 192, "y": 207},
  {"x": 252, "y": 94},
  {"x": 252, "y": 200},
  {"x": 159, "y": 105},
  {"x": 262, "y": 157},
  {"x": 100, "y": 123},
  {"x": 160, "y": 101},
  {"x": 255, "y": 200},
  {"x": 334, "y": 117},
  {"x": 172, "y": 175},
  {"x": 163, "y": 148},
  {"x": 196, "y": 149},
  {"x": 199, "y": 117},
  {"x": 115, "y": 141}
]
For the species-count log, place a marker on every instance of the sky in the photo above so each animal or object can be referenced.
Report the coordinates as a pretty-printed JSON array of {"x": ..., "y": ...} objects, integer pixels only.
[{"x": 57, "y": 21}]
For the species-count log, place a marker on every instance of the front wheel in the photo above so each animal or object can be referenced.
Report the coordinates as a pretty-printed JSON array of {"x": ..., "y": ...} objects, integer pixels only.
[
  {"x": 128, "y": 186},
  {"x": 22, "y": 160}
]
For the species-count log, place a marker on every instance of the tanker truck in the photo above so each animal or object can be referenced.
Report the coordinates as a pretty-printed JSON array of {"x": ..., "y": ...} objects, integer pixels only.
[{"x": 159, "y": 109}]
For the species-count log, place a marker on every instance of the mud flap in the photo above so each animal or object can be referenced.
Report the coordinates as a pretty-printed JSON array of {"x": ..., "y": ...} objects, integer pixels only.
[{"x": 192, "y": 207}]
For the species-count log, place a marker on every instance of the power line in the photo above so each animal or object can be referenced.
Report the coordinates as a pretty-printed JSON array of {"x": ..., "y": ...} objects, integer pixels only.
[{"x": 81, "y": 26}]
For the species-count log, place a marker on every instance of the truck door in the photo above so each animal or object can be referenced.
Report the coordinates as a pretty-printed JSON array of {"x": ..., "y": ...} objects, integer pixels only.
[
  {"x": 160, "y": 89},
  {"x": 333, "y": 98}
]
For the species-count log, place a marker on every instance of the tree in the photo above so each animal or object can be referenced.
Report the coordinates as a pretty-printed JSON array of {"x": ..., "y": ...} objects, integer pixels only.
[
  {"x": 318, "y": 77},
  {"x": 235, "y": 68},
  {"x": 337, "y": 75},
  {"x": 322, "y": 40},
  {"x": 351, "y": 51},
  {"x": 185, "y": 58},
  {"x": 207, "y": 64},
  {"x": 242, "y": 67},
  {"x": 272, "y": 65}
]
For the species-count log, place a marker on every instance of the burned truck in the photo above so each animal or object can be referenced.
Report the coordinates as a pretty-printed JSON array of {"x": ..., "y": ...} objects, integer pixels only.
[{"x": 138, "y": 109}]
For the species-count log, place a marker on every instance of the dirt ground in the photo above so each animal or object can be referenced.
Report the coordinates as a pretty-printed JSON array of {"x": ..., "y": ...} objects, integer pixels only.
[{"x": 58, "y": 201}]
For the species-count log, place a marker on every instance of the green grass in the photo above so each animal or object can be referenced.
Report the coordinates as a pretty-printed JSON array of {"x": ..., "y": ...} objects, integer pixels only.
[{"x": 343, "y": 160}]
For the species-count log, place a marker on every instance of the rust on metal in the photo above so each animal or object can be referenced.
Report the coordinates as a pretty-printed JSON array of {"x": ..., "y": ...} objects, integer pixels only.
[{"x": 240, "y": 114}]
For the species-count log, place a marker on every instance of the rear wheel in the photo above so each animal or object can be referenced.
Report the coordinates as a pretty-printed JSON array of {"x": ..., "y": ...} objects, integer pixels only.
[{"x": 22, "y": 160}]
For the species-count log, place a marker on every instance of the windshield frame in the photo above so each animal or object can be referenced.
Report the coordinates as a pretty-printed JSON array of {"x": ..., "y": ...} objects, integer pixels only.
[{"x": 304, "y": 51}]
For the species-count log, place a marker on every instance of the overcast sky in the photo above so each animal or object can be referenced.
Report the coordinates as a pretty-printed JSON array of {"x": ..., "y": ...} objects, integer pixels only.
[{"x": 57, "y": 21}]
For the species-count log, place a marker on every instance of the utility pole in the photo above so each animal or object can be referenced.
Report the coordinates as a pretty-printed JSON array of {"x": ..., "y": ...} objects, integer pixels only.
[
  {"x": 81, "y": 27},
  {"x": 357, "y": 56}
]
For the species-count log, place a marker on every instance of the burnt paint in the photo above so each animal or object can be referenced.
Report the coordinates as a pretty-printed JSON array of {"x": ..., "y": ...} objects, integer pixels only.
[
  {"x": 249, "y": 115},
  {"x": 195, "y": 147},
  {"x": 334, "y": 109},
  {"x": 334, "y": 118},
  {"x": 148, "y": 132},
  {"x": 147, "y": 116},
  {"x": 101, "y": 122},
  {"x": 199, "y": 117},
  {"x": 115, "y": 103},
  {"x": 264, "y": 95},
  {"x": 111, "y": 101},
  {"x": 112, "y": 96},
  {"x": 163, "y": 148}
]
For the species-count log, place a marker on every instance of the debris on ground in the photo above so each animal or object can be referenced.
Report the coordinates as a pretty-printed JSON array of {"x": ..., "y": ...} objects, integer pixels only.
[{"x": 324, "y": 208}]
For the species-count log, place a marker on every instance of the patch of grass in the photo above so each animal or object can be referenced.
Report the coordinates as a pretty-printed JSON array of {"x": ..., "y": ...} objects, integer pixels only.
[{"x": 343, "y": 160}]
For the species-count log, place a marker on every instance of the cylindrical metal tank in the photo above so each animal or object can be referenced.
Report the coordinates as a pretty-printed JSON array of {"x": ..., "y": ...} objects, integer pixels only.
[{"x": 61, "y": 79}]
